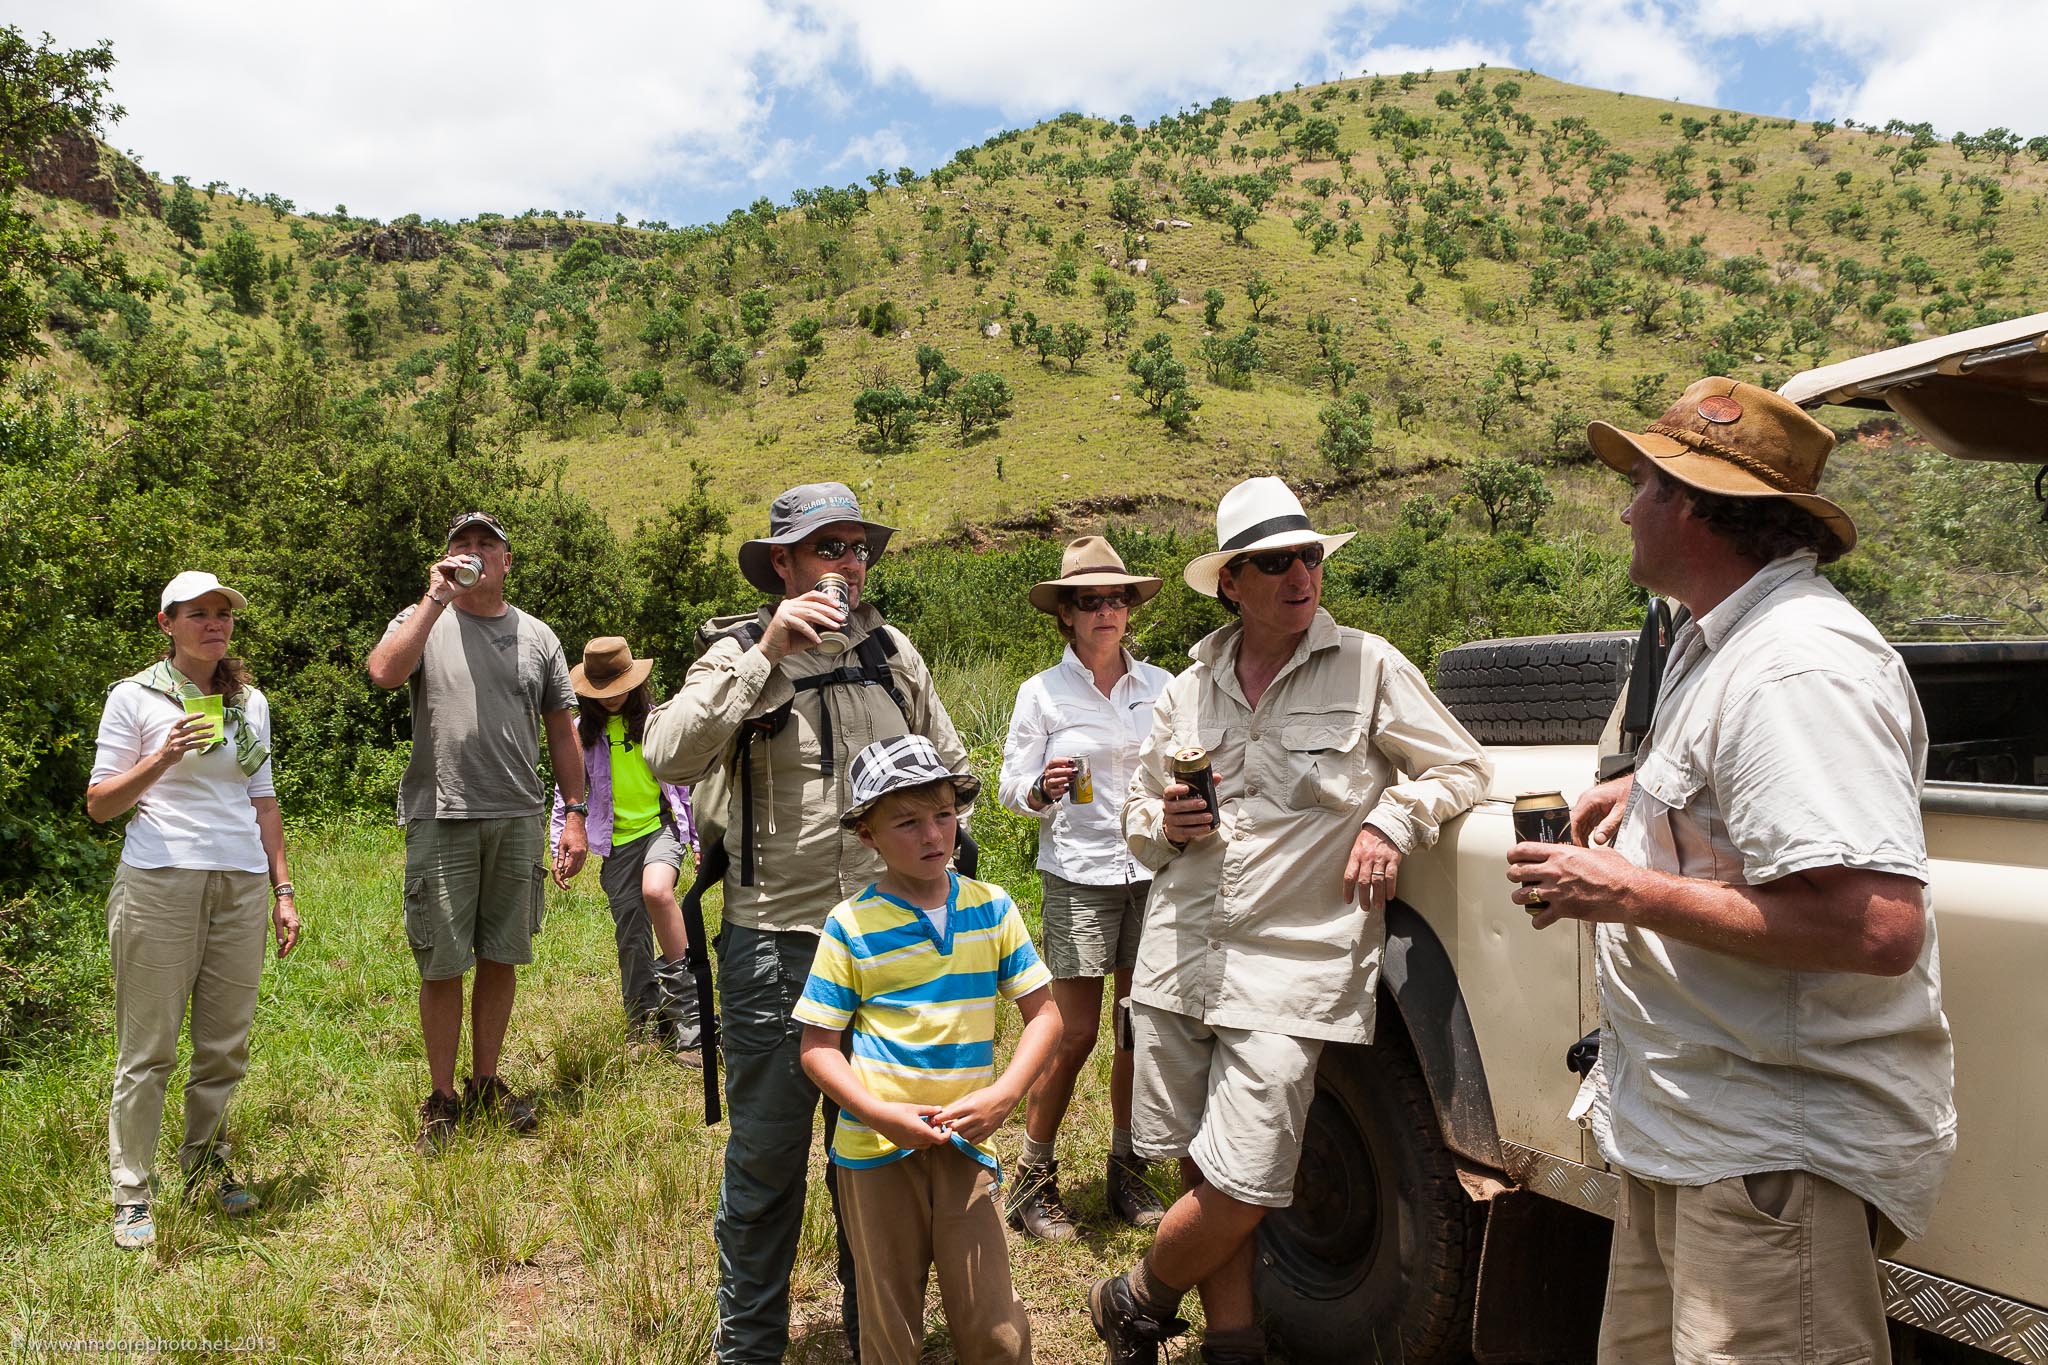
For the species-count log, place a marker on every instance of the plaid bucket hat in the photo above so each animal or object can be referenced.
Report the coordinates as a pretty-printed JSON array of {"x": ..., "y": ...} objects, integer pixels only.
[{"x": 899, "y": 764}]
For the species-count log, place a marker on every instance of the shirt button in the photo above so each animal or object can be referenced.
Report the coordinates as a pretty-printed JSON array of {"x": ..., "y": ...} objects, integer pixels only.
[{"x": 1252, "y": 790}]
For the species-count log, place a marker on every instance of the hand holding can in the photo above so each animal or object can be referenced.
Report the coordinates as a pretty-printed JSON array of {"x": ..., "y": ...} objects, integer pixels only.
[{"x": 1542, "y": 818}]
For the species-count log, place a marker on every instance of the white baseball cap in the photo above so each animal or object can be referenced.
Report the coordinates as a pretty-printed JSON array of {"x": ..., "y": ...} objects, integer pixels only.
[{"x": 194, "y": 583}]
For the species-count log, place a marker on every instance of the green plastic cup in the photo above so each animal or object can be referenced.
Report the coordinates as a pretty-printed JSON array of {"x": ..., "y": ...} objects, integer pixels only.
[{"x": 210, "y": 707}]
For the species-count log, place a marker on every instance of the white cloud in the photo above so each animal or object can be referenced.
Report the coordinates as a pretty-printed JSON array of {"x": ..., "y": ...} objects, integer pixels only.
[
  {"x": 884, "y": 148},
  {"x": 1104, "y": 59},
  {"x": 1457, "y": 55},
  {"x": 394, "y": 107},
  {"x": 1635, "y": 45}
]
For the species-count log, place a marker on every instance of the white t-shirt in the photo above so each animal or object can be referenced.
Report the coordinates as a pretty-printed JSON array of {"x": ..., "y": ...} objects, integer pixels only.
[{"x": 197, "y": 815}]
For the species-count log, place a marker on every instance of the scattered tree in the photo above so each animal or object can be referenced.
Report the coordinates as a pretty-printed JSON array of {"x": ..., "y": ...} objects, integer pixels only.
[{"x": 1512, "y": 494}]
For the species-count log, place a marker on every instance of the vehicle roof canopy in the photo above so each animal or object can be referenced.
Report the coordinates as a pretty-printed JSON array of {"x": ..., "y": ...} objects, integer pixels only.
[{"x": 1979, "y": 395}]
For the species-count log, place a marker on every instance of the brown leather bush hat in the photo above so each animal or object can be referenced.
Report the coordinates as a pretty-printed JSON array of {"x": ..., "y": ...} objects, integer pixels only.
[
  {"x": 1740, "y": 441},
  {"x": 1091, "y": 562},
  {"x": 608, "y": 669}
]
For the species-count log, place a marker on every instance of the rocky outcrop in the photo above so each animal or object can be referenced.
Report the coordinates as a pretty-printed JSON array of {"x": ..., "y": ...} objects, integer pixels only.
[
  {"x": 75, "y": 165},
  {"x": 405, "y": 240}
]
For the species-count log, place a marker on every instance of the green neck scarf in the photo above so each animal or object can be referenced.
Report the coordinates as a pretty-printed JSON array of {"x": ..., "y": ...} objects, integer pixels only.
[{"x": 251, "y": 753}]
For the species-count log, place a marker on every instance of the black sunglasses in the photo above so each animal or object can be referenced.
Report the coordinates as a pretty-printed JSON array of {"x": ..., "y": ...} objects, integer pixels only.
[
  {"x": 839, "y": 549},
  {"x": 1273, "y": 563},
  {"x": 1090, "y": 603}
]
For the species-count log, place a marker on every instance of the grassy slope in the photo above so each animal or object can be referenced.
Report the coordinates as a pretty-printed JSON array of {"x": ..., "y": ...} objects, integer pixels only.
[{"x": 1079, "y": 442}]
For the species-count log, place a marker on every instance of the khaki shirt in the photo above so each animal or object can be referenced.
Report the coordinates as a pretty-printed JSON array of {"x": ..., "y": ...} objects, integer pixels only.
[
  {"x": 804, "y": 863},
  {"x": 1248, "y": 927},
  {"x": 1788, "y": 737}
]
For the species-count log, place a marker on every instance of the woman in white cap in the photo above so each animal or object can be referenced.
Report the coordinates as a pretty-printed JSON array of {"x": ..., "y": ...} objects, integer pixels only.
[
  {"x": 642, "y": 829},
  {"x": 185, "y": 744},
  {"x": 1095, "y": 705}
]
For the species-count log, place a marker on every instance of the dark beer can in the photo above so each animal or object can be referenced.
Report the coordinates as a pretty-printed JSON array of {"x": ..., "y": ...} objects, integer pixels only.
[
  {"x": 1542, "y": 818},
  {"x": 835, "y": 586},
  {"x": 1192, "y": 768}
]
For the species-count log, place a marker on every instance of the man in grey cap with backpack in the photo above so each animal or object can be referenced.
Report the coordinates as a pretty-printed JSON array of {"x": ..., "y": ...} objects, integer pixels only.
[{"x": 775, "y": 710}]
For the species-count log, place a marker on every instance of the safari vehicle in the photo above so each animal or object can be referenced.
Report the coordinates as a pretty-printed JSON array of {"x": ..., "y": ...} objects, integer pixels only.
[{"x": 1447, "y": 1205}]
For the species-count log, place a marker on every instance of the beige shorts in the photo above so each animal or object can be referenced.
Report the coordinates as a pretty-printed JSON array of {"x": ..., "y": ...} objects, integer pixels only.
[
  {"x": 1777, "y": 1266},
  {"x": 473, "y": 888},
  {"x": 1091, "y": 930},
  {"x": 1234, "y": 1101}
]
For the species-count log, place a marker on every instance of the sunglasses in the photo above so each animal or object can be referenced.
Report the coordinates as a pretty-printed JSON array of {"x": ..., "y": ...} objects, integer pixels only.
[
  {"x": 1088, "y": 603},
  {"x": 1273, "y": 563},
  {"x": 840, "y": 549}
]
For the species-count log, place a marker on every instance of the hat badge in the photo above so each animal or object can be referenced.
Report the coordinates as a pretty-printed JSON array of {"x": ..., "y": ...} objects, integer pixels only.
[{"x": 1720, "y": 409}]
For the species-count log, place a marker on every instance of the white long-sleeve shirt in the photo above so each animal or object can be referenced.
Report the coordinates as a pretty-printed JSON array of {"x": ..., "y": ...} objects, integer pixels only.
[{"x": 1060, "y": 713}]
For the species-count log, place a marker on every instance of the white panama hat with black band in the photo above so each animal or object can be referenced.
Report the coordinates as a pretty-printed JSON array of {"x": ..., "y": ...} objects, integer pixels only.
[{"x": 1258, "y": 515}]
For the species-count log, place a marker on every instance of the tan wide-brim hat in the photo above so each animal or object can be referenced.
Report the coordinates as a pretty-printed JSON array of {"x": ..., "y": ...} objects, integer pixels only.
[
  {"x": 1091, "y": 562},
  {"x": 1259, "y": 514},
  {"x": 1738, "y": 440},
  {"x": 608, "y": 669}
]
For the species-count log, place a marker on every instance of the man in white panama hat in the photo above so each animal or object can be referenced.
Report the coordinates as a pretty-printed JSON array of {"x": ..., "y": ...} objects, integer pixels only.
[
  {"x": 1775, "y": 1079},
  {"x": 1264, "y": 933}
]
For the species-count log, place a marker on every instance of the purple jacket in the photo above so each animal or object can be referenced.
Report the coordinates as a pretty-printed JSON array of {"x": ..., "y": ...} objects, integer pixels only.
[{"x": 597, "y": 826}]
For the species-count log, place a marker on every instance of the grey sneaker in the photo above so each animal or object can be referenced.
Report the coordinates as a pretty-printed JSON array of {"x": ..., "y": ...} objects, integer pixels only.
[
  {"x": 1131, "y": 1335},
  {"x": 1037, "y": 1210},
  {"x": 1131, "y": 1196},
  {"x": 134, "y": 1229},
  {"x": 230, "y": 1195},
  {"x": 489, "y": 1097}
]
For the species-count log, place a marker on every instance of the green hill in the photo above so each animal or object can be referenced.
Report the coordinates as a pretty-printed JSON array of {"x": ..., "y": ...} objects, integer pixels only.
[{"x": 1499, "y": 255}]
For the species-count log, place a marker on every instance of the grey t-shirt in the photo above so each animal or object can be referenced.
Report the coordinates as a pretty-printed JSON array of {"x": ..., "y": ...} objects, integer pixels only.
[{"x": 478, "y": 694}]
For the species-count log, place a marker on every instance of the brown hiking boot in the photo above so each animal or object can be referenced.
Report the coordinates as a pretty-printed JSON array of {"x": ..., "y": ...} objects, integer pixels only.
[
  {"x": 489, "y": 1097},
  {"x": 1037, "y": 1211},
  {"x": 1131, "y": 1196},
  {"x": 1131, "y": 1335},
  {"x": 438, "y": 1115}
]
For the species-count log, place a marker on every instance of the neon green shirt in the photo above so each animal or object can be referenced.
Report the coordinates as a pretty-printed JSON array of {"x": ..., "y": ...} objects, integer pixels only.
[{"x": 636, "y": 801}]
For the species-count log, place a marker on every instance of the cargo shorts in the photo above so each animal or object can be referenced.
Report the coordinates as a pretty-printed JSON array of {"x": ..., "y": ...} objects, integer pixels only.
[{"x": 473, "y": 888}]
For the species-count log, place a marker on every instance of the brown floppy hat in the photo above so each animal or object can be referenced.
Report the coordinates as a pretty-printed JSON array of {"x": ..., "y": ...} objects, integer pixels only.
[
  {"x": 608, "y": 669},
  {"x": 1738, "y": 440},
  {"x": 1091, "y": 562}
]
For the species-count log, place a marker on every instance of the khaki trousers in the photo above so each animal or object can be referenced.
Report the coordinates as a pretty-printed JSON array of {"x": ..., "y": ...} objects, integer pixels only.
[
  {"x": 934, "y": 1209},
  {"x": 179, "y": 937},
  {"x": 1780, "y": 1266}
]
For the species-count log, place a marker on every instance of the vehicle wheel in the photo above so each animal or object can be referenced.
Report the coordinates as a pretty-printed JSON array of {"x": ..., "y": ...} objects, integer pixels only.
[
  {"x": 1545, "y": 689},
  {"x": 1378, "y": 1257}
]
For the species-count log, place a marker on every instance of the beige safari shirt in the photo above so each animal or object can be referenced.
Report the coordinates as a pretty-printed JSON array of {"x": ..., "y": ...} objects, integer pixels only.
[
  {"x": 1788, "y": 737},
  {"x": 804, "y": 863},
  {"x": 1248, "y": 927}
]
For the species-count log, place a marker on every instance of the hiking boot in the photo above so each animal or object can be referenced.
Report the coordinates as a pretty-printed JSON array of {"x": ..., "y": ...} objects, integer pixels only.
[
  {"x": 134, "y": 1229},
  {"x": 489, "y": 1097},
  {"x": 1131, "y": 1334},
  {"x": 1131, "y": 1196},
  {"x": 1037, "y": 1211},
  {"x": 438, "y": 1114}
]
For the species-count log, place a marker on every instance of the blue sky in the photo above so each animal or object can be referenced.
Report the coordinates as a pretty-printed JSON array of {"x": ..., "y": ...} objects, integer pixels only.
[{"x": 684, "y": 111}]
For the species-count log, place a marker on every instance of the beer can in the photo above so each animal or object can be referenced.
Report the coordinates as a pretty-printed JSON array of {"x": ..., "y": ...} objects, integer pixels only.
[
  {"x": 836, "y": 587},
  {"x": 1192, "y": 768},
  {"x": 1082, "y": 792},
  {"x": 468, "y": 569},
  {"x": 1542, "y": 818}
]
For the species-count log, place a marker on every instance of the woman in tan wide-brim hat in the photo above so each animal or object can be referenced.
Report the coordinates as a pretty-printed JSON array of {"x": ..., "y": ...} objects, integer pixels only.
[
  {"x": 641, "y": 828},
  {"x": 1095, "y": 704}
]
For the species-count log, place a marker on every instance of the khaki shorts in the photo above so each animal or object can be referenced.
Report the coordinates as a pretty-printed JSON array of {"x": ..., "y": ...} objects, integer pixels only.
[
  {"x": 1232, "y": 1100},
  {"x": 1091, "y": 930},
  {"x": 1777, "y": 1266},
  {"x": 473, "y": 888}
]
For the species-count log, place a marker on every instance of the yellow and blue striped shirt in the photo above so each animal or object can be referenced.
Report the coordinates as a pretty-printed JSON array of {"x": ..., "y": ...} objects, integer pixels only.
[{"x": 921, "y": 1005}]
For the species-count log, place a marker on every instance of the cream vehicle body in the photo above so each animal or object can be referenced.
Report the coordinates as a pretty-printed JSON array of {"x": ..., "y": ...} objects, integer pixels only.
[{"x": 1450, "y": 1204}]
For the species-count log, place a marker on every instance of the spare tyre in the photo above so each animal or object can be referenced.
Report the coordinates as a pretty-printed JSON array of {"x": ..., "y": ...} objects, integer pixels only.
[{"x": 1542, "y": 689}]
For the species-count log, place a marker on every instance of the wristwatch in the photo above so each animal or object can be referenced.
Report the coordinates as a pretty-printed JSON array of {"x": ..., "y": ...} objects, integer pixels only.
[{"x": 576, "y": 808}]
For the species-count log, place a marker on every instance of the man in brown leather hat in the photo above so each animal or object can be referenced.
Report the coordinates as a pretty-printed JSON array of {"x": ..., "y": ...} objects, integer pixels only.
[{"x": 1775, "y": 1080}]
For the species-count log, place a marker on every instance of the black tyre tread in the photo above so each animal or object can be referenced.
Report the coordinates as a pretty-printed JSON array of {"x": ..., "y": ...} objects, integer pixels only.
[{"x": 1544, "y": 689}]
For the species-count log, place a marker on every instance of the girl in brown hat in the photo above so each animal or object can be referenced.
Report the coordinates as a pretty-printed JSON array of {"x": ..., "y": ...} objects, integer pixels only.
[
  {"x": 1094, "y": 707},
  {"x": 641, "y": 828}
]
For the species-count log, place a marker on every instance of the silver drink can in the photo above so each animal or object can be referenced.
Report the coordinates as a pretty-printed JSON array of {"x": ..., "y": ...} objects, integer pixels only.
[
  {"x": 835, "y": 586},
  {"x": 468, "y": 569},
  {"x": 1082, "y": 793}
]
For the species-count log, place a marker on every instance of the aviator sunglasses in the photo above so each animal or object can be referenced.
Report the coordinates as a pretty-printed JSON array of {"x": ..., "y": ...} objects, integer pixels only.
[
  {"x": 839, "y": 549},
  {"x": 1273, "y": 563},
  {"x": 1088, "y": 603}
]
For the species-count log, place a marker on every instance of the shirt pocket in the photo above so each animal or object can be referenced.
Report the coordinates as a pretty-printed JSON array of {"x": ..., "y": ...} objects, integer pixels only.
[
  {"x": 1663, "y": 784},
  {"x": 1320, "y": 762}
]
